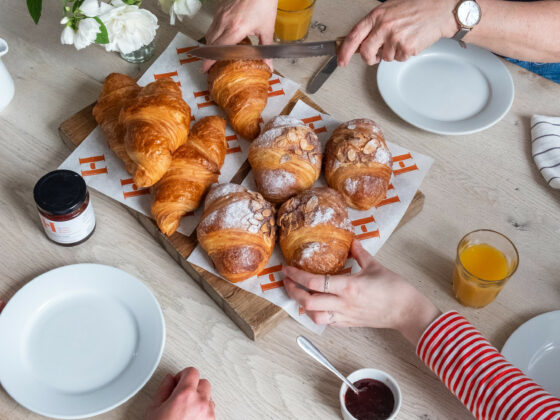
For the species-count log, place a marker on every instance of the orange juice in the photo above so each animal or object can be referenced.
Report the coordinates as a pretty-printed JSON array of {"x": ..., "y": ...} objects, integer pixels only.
[
  {"x": 479, "y": 274},
  {"x": 292, "y": 20}
]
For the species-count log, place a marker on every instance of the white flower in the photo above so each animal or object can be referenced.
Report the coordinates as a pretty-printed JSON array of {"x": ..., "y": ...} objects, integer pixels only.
[
  {"x": 90, "y": 8},
  {"x": 88, "y": 28},
  {"x": 67, "y": 36},
  {"x": 129, "y": 27},
  {"x": 180, "y": 8}
]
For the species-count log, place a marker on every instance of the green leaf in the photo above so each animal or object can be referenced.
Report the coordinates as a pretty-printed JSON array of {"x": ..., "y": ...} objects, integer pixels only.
[
  {"x": 34, "y": 7},
  {"x": 102, "y": 35},
  {"x": 77, "y": 5}
]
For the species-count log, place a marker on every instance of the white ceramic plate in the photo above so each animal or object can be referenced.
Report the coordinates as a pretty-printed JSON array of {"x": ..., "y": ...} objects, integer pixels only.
[
  {"x": 79, "y": 340},
  {"x": 448, "y": 89},
  {"x": 535, "y": 349}
]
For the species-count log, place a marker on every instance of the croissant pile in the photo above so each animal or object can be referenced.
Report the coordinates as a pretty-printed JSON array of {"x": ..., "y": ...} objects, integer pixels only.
[
  {"x": 143, "y": 126},
  {"x": 148, "y": 128}
]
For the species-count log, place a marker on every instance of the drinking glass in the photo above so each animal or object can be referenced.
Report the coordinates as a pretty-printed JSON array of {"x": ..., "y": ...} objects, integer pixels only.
[
  {"x": 478, "y": 291},
  {"x": 292, "y": 20}
]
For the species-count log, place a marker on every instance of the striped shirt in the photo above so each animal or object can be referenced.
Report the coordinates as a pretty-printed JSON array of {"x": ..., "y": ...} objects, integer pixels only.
[{"x": 489, "y": 386}]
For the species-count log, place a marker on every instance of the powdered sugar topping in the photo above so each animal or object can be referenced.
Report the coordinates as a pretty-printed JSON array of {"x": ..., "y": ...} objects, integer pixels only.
[
  {"x": 350, "y": 185},
  {"x": 220, "y": 190},
  {"x": 309, "y": 249},
  {"x": 383, "y": 155},
  {"x": 320, "y": 216},
  {"x": 276, "y": 180}
]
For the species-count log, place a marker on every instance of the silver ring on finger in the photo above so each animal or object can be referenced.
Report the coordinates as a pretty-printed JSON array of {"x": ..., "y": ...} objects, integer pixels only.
[{"x": 326, "y": 286}]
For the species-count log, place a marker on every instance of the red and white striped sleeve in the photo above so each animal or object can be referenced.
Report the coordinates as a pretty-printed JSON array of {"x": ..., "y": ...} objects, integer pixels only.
[{"x": 489, "y": 386}]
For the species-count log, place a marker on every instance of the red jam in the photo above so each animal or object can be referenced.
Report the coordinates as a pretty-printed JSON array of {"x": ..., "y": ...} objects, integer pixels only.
[
  {"x": 64, "y": 207},
  {"x": 374, "y": 402}
]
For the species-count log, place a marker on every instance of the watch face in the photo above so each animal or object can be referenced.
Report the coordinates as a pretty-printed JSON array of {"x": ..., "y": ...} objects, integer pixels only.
[{"x": 468, "y": 13}]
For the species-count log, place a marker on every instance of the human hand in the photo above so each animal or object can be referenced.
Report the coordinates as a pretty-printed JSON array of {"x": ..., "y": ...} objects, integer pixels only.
[
  {"x": 375, "y": 297},
  {"x": 399, "y": 29},
  {"x": 237, "y": 19},
  {"x": 182, "y": 397}
]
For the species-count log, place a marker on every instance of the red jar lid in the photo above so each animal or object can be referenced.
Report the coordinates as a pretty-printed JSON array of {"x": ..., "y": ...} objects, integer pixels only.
[{"x": 60, "y": 192}]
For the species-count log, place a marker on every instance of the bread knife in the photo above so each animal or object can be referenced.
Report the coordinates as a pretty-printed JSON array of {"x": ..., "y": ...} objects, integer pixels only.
[{"x": 322, "y": 74}]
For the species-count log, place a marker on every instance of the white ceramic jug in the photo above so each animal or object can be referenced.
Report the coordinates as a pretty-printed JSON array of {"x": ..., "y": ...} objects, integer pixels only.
[{"x": 6, "y": 82}]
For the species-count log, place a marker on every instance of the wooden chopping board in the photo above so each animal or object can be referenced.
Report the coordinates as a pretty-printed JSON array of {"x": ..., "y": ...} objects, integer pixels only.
[{"x": 253, "y": 314}]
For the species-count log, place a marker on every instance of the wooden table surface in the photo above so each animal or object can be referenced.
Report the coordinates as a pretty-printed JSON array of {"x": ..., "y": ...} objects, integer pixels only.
[{"x": 484, "y": 180}]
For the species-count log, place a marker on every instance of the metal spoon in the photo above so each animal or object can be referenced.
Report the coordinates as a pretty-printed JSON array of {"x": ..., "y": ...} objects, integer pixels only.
[{"x": 308, "y": 347}]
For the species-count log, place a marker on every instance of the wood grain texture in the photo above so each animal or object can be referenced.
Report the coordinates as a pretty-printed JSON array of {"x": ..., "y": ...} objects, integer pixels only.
[
  {"x": 486, "y": 179},
  {"x": 254, "y": 315}
]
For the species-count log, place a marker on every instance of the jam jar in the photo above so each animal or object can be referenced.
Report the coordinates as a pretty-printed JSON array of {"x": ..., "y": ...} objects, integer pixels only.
[{"x": 64, "y": 206}]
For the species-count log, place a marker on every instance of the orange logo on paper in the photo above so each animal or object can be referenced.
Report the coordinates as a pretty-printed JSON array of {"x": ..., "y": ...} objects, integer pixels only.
[
  {"x": 365, "y": 226},
  {"x": 390, "y": 197},
  {"x": 233, "y": 147},
  {"x": 93, "y": 169},
  {"x": 203, "y": 96},
  {"x": 270, "y": 271},
  {"x": 311, "y": 123},
  {"x": 170, "y": 74},
  {"x": 134, "y": 190},
  {"x": 189, "y": 58},
  {"x": 271, "y": 92},
  {"x": 403, "y": 164}
]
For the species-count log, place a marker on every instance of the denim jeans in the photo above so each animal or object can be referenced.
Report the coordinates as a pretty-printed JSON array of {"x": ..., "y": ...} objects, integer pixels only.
[{"x": 549, "y": 70}]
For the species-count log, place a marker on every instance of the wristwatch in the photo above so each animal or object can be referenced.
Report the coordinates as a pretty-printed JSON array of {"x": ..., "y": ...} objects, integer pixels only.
[{"x": 467, "y": 14}]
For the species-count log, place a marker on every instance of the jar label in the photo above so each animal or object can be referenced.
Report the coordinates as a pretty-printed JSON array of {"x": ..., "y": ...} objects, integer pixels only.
[{"x": 70, "y": 231}]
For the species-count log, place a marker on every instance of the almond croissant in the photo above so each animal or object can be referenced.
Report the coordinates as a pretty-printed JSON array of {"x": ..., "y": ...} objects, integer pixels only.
[
  {"x": 195, "y": 166},
  {"x": 285, "y": 158},
  {"x": 118, "y": 90},
  {"x": 315, "y": 231},
  {"x": 237, "y": 230},
  {"x": 156, "y": 123},
  {"x": 240, "y": 88},
  {"x": 358, "y": 163}
]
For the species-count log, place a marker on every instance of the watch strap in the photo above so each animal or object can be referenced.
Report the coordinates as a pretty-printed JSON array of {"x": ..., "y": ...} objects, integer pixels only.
[{"x": 460, "y": 34}]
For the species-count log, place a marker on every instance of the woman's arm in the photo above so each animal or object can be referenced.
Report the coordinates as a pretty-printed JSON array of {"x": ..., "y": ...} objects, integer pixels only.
[
  {"x": 399, "y": 29},
  {"x": 489, "y": 386},
  {"x": 528, "y": 31}
]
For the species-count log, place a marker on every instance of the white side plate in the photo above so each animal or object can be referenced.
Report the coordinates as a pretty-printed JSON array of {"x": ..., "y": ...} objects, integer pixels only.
[
  {"x": 535, "y": 349},
  {"x": 79, "y": 340},
  {"x": 448, "y": 89}
]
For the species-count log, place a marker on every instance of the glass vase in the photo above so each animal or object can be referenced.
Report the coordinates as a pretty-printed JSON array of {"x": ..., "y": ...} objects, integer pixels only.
[{"x": 141, "y": 55}]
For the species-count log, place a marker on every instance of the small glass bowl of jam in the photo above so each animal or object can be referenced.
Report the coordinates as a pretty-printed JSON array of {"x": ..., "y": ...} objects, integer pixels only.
[
  {"x": 379, "y": 397},
  {"x": 65, "y": 210}
]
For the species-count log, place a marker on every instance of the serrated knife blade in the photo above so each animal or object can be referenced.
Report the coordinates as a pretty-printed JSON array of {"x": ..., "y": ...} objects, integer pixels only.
[{"x": 257, "y": 52}]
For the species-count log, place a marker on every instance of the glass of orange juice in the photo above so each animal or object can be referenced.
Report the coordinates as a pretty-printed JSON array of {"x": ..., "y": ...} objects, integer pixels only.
[
  {"x": 485, "y": 261},
  {"x": 292, "y": 20}
]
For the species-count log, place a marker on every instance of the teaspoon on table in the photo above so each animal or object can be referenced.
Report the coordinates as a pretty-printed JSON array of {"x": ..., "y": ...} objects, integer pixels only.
[{"x": 308, "y": 347}]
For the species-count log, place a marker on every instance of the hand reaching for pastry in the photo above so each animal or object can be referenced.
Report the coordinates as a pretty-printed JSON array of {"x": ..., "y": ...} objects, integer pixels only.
[
  {"x": 399, "y": 29},
  {"x": 182, "y": 397},
  {"x": 237, "y": 19},
  {"x": 375, "y": 297}
]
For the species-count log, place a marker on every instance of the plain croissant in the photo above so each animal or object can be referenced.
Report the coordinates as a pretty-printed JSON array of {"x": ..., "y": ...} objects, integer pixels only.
[
  {"x": 358, "y": 163},
  {"x": 118, "y": 90},
  {"x": 194, "y": 168},
  {"x": 237, "y": 230},
  {"x": 156, "y": 123},
  {"x": 285, "y": 158},
  {"x": 240, "y": 88}
]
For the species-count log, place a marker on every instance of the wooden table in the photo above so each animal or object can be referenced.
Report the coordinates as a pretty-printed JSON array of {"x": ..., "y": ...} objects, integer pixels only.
[{"x": 481, "y": 180}]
